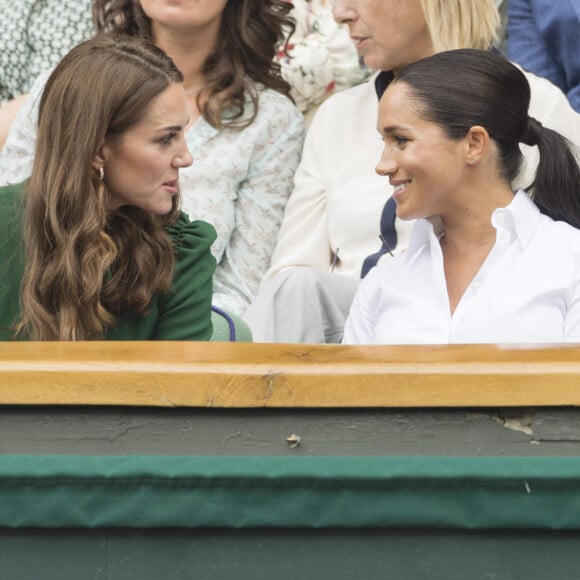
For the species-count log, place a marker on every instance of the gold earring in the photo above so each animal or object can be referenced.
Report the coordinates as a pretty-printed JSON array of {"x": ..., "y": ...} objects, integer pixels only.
[{"x": 101, "y": 173}]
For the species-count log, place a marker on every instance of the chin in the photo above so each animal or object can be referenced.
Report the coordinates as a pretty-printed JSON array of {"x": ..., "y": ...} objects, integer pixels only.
[
  {"x": 376, "y": 61},
  {"x": 163, "y": 211},
  {"x": 404, "y": 214}
]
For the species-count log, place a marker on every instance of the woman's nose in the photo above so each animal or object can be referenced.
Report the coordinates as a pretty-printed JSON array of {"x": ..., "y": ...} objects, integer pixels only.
[
  {"x": 344, "y": 11},
  {"x": 184, "y": 159},
  {"x": 386, "y": 166}
]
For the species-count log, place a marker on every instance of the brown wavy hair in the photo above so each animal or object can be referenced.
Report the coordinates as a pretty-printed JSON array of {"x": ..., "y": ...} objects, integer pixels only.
[
  {"x": 85, "y": 265},
  {"x": 250, "y": 34}
]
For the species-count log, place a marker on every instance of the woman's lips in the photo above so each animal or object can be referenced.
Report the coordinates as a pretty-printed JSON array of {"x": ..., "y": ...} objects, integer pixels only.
[
  {"x": 171, "y": 186},
  {"x": 359, "y": 42},
  {"x": 399, "y": 189}
]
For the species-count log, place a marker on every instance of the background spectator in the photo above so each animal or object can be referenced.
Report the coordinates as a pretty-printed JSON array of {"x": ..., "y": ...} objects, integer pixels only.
[
  {"x": 544, "y": 38},
  {"x": 34, "y": 36},
  {"x": 320, "y": 59}
]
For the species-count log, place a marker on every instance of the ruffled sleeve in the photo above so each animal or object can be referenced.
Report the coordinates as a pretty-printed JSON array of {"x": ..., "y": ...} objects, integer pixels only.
[{"x": 185, "y": 310}]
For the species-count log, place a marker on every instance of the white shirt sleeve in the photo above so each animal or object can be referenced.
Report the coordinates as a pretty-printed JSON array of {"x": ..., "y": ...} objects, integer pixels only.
[
  {"x": 360, "y": 324},
  {"x": 572, "y": 321}
]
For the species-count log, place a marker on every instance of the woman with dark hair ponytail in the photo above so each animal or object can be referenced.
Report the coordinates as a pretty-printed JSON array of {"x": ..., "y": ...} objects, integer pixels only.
[
  {"x": 556, "y": 187},
  {"x": 484, "y": 264}
]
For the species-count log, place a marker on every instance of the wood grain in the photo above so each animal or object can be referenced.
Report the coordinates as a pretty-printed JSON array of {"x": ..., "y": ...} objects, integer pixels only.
[{"x": 241, "y": 375}]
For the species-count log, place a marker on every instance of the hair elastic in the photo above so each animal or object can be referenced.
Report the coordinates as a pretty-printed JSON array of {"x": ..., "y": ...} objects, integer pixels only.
[{"x": 533, "y": 132}]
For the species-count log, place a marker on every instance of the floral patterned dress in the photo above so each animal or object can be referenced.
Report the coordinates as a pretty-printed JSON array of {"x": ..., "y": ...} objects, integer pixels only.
[
  {"x": 321, "y": 58},
  {"x": 34, "y": 36}
]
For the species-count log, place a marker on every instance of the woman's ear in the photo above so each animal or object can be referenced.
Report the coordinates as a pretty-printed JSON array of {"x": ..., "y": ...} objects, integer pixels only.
[
  {"x": 99, "y": 158},
  {"x": 477, "y": 141}
]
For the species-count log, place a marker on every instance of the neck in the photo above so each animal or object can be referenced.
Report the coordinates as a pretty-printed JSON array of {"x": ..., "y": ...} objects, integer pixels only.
[
  {"x": 469, "y": 227},
  {"x": 189, "y": 52}
]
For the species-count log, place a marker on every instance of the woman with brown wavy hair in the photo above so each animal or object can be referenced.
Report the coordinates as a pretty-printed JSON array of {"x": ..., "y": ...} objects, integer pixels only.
[
  {"x": 95, "y": 245},
  {"x": 245, "y": 133}
]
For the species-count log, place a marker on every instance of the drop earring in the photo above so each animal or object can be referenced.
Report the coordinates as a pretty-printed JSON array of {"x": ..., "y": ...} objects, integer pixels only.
[{"x": 101, "y": 173}]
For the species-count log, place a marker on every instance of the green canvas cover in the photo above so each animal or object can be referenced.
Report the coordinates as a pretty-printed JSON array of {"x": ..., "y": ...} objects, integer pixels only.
[{"x": 289, "y": 492}]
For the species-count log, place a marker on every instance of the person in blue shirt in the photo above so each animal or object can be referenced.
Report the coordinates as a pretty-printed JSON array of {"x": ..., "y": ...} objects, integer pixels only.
[{"x": 544, "y": 38}]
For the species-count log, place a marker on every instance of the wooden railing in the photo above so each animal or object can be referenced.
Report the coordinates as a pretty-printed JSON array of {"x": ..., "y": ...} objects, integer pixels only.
[{"x": 230, "y": 375}]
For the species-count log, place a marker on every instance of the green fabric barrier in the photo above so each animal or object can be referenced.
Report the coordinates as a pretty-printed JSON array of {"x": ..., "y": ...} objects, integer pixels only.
[{"x": 288, "y": 492}]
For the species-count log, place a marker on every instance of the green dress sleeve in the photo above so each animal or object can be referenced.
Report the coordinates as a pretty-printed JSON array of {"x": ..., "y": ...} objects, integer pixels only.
[{"x": 184, "y": 311}]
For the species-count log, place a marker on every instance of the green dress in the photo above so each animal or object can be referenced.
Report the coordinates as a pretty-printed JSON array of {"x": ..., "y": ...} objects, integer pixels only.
[{"x": 181, "y": 313}]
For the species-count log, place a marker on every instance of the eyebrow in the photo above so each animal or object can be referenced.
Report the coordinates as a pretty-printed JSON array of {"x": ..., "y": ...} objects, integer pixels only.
[
  {"x": 171, "y": 128},
  {"x": 393, "y": 129}
]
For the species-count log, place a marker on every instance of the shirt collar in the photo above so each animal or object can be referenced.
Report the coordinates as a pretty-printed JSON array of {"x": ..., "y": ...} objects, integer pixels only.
[
  {"x": 521, "y": 216},
  {"x": 424, "y": 231}
]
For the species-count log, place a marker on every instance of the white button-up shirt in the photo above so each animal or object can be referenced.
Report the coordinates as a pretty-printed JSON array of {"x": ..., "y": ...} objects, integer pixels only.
[{"x": 527, "y": 290}]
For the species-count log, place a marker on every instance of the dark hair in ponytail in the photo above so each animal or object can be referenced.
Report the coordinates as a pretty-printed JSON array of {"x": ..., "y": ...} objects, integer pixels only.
[
  {"x": 556, "y": 187},
  {"x": 459, "y": 89}
]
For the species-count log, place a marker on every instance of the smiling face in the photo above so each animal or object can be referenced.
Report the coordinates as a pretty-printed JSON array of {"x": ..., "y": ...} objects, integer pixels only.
[
  {"x": 388, "y": 34},
  {"x": 141, "y": 167},
  {"x": 426, "y": 168}
]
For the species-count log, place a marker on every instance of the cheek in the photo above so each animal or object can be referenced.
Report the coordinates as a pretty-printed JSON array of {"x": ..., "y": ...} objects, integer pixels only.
[{"x": 143, "y": 164}]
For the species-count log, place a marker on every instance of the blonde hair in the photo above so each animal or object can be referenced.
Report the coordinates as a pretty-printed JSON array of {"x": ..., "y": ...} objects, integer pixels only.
[{"x": 457, "y": 24}]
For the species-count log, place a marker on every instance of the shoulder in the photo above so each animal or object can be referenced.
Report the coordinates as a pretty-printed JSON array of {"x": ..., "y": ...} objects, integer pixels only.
[
  {"x": 11, "y": 216},
  {"x": 551, "y": 107},
  {"x": 557, "y": 239},
  {"x": 193, "y": 238},
  {"x": 544, "y": 94},
  {"x": 276, "y": 108},
  {"x": 356, "y": 107},
  {"x": 561, "y": 231},
  {"x": 363, "y": 94},
  {"x": 194, "y": 262},
  {"x": 11, "y": 195},
  {"x": 11, "y": 203},
  {"x": 277, "y": 119}
]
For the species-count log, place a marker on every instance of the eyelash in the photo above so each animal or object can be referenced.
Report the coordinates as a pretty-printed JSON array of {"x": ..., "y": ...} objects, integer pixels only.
[
  {"x": 401, "y": 141},
  {"x": 167, "y": 139}
]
